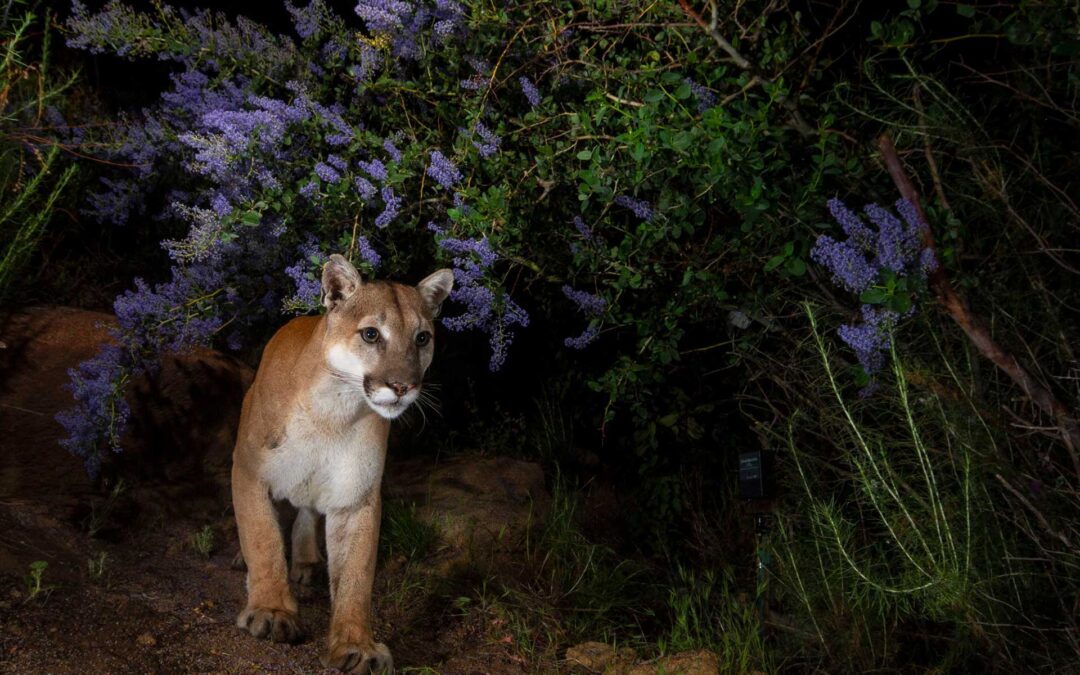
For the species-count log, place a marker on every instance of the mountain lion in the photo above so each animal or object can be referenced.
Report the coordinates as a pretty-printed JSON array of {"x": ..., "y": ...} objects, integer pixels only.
[{"x": 313, "y": 430}]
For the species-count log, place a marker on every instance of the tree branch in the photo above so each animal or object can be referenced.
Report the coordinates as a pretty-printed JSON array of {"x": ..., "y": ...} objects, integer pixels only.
[{"x": 975, "y": 329}]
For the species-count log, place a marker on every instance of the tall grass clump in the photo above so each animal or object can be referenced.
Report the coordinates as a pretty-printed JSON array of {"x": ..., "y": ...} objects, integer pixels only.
[
  {"x": 33, "y": 171},
  {"x": 900, "y": 546}
]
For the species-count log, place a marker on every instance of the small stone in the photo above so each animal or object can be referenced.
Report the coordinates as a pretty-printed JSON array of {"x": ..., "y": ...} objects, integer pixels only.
[
  {"x": 702, "y": 662},
  {"x": 596, "y": 656},
  {"x": 146, "y": 640}
]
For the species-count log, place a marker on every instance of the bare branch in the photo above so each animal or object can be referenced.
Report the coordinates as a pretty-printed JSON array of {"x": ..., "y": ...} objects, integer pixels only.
[{"x": 975, "y": 329}]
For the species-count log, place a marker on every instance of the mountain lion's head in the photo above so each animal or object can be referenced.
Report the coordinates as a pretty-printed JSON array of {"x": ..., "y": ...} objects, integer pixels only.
[{"x": 380, "y": 334}]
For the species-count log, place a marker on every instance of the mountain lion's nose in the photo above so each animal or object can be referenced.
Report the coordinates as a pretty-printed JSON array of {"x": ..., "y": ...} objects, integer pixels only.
[{"x": 400, "y": 388}]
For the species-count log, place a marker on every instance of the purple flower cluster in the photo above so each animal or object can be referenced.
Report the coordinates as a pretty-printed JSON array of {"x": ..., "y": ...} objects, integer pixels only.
[
  {"x": 391, "y": 206},
  {"x": 485, "y": 310},
  {"x": 485, "y": 140},
  {"x": 374, "y": 168},
  {"x": 872, "y": 338},
  {"x": 367, "y": 252},
  {"x": 327, "y": 173},
  {"x": 442, "y": 170},
  {"x": 308, "y": 20},
  {"x": 401, "y": 22},
  {"x": 100, "y": 409},
  {"x": 481, "y": 76},
  {"x": 592, "y": 306},
  {"x": 532, "y": 94},
  {"x": 705, "y": 98},
  {"x": 857, "y": 261},
  {"x": 584, "y": 230},
  {"x": 304, "y": 275},
  {"x": 641, "y": 208},
  {"x": 391, "y": 149},
  {"x": 892, "y": 247}
]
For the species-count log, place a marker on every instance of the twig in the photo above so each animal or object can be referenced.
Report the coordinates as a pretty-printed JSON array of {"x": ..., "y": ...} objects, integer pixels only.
[
  {"x": 974, "y": 328},
  {"x": 632, "y": 104},
  {"x": 1060, "y": 536},
  {"x": 711, "y": 27}
]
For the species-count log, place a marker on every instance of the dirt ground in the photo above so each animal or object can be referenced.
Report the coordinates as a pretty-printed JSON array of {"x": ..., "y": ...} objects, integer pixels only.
[{"x": 160, "y": 607}]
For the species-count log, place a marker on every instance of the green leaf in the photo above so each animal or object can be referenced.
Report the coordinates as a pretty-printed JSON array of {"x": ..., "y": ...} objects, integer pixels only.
[
  {"x": 874, "y": 296},
  {"x": 251, "y": 218},
  {"x": 774, "y": 262},
  {"x": 795, "y": 267},
  {"x": 585, "y": 155},
  {"x": 965, "y": 10}
]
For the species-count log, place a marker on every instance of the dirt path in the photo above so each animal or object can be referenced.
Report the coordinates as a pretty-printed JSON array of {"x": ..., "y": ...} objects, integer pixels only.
[{"x": 159, "y": 607}]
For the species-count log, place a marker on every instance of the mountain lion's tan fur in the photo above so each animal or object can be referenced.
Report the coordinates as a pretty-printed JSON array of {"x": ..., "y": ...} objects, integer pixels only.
[{"x": 313, "y": 430}]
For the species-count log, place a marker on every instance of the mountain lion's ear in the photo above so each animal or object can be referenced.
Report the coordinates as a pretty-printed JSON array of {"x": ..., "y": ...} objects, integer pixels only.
[
  {"x": 339, "y": 281},
  {"x": 435, "y": 288}
]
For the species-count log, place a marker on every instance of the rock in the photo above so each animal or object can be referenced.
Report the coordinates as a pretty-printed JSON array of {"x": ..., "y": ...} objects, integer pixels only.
[
  {"x": 599, "y": 657},
  {"x": 183, "y": 419},
  {"x": 701, "y": 662},
  {"x": 592, "y": 655},
  {"x": 146, "y": 640},
  {"x": 480, "y": 506},
  {"x": 177, "y": 450}
]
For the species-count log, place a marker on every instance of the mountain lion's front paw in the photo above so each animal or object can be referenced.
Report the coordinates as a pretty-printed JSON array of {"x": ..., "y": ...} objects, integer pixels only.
[
  {"x": 276, "y": 624},
  {"x": 358, "y": 660}
]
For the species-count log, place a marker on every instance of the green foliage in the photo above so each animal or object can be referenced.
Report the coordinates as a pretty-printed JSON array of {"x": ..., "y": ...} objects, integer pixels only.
[
  {"x": 97, "y": 566},
  {"x": 708, "y": 613},
  {"x": 102, "y": 511},
  {"x": 33, "y": 175},
  {"x": 35, "y": 585},
  {"x": 403, "y": 533},
  {"x": 202, "y": 542}
]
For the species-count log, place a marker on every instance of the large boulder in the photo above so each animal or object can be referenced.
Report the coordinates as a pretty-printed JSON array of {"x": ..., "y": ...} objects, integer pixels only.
[
  {"x": 481, "y": 506},
  {"x": 183, "y": 419}
]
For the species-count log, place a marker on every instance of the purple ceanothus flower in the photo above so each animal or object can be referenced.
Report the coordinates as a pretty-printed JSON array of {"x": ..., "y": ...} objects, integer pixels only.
[
  {"x": 401, "y": 23},
  {"x": 846, "y": 261},
  {"x": 443, "y": 170},
  {"x": 585, "y": 339},
  {"x": 871, "y": 339},
  {"x": 485, "y": 140},
  {"x": 307, "y": 20},
  {"x": 302, "y": 272},
  {"x": 375, "y": 168},
  {"x": 310, "y": 189},
  {"x": 391, "y": 150},
  {"x": 640, "y": 207},
  {"x": 100, "y": 407},
  {"x": 494, "y": 313},
  {"x": 327, "y": 172},
  {"x": 367, "y": 252},
  {"x": 590, "y": 305},
  {"x": 364, "y": 187},
  {"x": 390, "y": 210},
  {"x": 893, "y": 247},
  {"x": 532, "y": 94},
  {"x": 584, "y": 230},
  {"x": 705, "y": 98}
]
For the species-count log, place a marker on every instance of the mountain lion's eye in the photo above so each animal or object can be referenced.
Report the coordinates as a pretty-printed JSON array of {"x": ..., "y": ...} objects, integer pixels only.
[
  {"x": 423, "y": 338},
  {"x": 370, "y": 335}
]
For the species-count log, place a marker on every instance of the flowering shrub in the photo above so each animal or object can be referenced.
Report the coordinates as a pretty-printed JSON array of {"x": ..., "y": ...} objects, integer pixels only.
[{"x": 389, "y": 135}]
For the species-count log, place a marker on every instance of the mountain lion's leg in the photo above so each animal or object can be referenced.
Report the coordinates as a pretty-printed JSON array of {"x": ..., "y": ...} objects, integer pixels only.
[
  {"x": 305, "y": 546},
  {"x": 271, "y": 609},
  {"x": 352, "y": 540}
]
